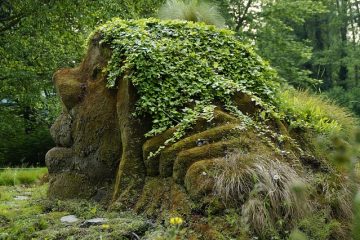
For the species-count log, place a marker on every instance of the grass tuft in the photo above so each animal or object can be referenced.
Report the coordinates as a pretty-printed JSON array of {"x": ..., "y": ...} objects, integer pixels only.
[
  {"x": 317, "y": 112},
  {"x": 267, "y": 190},
  {"x": 192, "y": 10}
]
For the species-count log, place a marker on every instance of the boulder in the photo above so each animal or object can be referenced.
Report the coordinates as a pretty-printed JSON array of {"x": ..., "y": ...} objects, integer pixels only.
[{"x": 222, "y": 162}]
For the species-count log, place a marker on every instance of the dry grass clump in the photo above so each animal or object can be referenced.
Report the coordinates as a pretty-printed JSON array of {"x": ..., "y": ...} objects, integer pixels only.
[
  {"x": 336, "y": 193},
  {"x": 344, "y": 203},
  {"x": 267, "y": 190},
  {"x": 233, "y": 178},
  {"x": 192, "y": 10}
]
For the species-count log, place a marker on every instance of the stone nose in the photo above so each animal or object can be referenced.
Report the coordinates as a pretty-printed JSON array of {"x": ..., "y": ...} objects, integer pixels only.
[{"x": 69, "y": 86}]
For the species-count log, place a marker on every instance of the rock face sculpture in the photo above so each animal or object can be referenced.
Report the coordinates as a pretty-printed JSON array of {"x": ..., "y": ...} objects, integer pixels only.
[
  {"x": 102, "y": 152},
  {"x": 87, "y": 133},
  {"x": 101, "y": 146}
]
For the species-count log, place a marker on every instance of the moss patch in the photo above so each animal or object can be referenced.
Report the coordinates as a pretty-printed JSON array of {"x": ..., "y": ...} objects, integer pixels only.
[
  {"x": 212, "y": 135},
  {"x": 186, "y": 158},
  {"x": 39, "y": 218},
  {"x": 199, "y": 178},
  {"x": 161, "y": 197},
  {"x": 70, "y": 185}
]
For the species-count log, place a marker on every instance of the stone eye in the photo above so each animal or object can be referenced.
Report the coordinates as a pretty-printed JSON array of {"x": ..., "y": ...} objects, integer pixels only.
[{"x": 95, "y": 73}]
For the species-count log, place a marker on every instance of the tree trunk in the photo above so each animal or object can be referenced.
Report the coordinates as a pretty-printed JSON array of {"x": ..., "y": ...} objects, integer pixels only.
[
  {"x": 354, "y": 41},
  {"x": 343, "y": 71}
]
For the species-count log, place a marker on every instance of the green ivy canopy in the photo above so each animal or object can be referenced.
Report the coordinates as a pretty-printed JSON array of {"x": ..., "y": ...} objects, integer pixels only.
[{"x": 179, "y": 68}]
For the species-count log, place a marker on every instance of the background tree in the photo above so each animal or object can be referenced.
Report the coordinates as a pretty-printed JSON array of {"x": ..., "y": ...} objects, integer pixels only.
[
  {"x": 36, "y": 38},
  {"x": 312, "y": 44},
  {"x": 271, "y": 26},
  {"x": 336, "y": 51}
]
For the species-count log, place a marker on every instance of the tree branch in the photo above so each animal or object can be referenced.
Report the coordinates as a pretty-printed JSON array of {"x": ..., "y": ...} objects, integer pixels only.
[{"x": 243, "y": 16}]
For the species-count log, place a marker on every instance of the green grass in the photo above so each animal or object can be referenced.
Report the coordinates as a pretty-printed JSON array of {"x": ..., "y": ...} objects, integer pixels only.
[
  {"x": 39, "y": 217},
  {"x": 317, "y": 112},
  {"x": 10, "y": 177}
]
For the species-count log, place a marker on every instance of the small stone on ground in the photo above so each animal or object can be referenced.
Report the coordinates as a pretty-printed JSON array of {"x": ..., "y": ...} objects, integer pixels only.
[
  {"x": 18, "y": 198},
  {"x": 69, "y": 219},
  {"x": 94, "y": 221}
]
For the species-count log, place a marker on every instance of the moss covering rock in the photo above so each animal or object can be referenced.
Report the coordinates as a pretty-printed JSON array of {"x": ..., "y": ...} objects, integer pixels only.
[{"x": 176, "y": 118}]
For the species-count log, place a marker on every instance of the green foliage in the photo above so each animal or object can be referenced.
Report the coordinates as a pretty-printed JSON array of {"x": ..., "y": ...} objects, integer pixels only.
[
  {"x": 297, "y": 235},
  {"x": 347, "y": 98},
  {"x": 278, "y": 41},
  {"x": 336, "y": 52},
  {"x": 310, "y": 43},
  {"x": 21, "y": 176},
  {"x": 180, "y": 68},
  {"x": 192, "y": 10},
  {"x": 18, "y": 148},
  {"x": 36, "y": 39},
  {"x": 272, "y": 26},
  {"x": 303, "y": 109},
  {"x": 318, "y": 227},
  {"x": 356, "y": 227},
  {"x": 39, "y": 217},
  {"x": 130, "y": 9}
]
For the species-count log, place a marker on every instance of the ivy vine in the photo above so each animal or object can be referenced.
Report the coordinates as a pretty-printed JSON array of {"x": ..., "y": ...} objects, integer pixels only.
[{"x": 179, "y": 68}]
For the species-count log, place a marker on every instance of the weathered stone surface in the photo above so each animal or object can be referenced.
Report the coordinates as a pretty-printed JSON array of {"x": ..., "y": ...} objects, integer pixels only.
[
  {"x": 86, "y": 133},
  {"x": 61, "y": 130},
  {"x": 67, "y": 185},
  {"x": 59, "y": 159}
]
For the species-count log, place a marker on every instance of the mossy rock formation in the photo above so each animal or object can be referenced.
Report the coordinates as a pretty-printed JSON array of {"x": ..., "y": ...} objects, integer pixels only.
[{"x": 175, "y": 118}]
